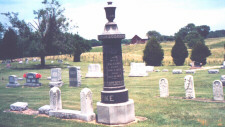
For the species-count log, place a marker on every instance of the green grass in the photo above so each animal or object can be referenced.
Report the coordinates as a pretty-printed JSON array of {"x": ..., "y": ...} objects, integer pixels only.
[{"x": 143, "y": 90}]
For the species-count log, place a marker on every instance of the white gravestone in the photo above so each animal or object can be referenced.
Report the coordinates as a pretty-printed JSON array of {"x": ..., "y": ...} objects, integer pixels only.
[
  {"x": 56, "y": 79},
  {"x": 223, "y": 65},
  {"x": 13, "y": 81},
  {"x": 55, "y": 99},
  {"x": 222, "y": 79},
  {"x": 75, "y": 76},
  {"x": 86, "y": 104},
  {"x": 86, "y": 113},
  {"x": 157, "y": 70},
  {"x": 137, "y": 70},
  {"x": 94, "y": 71},
  {"x": 189, "y": 87},
  {"x": 213, "y": 71},
  {"x": 177, "y": 71},
  {"x": 163, "y": 87},
  {"x": 149, "y": 68},
  {"x": 218, "y": 91}
]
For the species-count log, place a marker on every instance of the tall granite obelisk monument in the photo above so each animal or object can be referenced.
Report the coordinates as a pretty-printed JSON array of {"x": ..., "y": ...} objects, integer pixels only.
[{"x": 115, "y": 107}]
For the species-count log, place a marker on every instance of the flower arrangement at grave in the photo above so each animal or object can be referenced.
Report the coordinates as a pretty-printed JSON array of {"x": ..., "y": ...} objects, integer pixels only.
[
  {"x": 38, "y": 75},
  {"x": 25, "y": 75}
]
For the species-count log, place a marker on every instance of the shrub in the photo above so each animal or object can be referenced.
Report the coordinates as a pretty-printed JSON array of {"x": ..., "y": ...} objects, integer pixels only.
[
  {"x": 153, "y": 53},
  {"x": 200, "y": 52},
  {"x": 179, "y": 52}
]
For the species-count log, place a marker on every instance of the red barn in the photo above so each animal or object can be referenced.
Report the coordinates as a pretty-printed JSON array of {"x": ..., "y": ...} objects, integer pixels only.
[{"x": 137, "y": 40}]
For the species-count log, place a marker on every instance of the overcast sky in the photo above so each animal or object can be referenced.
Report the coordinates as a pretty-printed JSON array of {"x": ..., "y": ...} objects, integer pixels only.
[{"x": 132, "y": 16}]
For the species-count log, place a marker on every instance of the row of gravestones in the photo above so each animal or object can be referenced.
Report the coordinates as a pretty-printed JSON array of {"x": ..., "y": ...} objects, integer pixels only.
[
  {"x": 94, "y": 71},
  {"x": 190, "y": 89},
  {"x": 32, "y": 80},
  {"x": 55, "y": 108}
]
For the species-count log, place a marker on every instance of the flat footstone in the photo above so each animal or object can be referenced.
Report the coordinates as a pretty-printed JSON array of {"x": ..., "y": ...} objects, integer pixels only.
[
  {"x": 19, "y": 106},
  {"x": 44, "y": 109}
]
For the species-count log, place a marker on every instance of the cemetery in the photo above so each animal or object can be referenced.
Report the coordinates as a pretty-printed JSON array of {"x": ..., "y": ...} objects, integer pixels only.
[{"x": 110, "y": 92}]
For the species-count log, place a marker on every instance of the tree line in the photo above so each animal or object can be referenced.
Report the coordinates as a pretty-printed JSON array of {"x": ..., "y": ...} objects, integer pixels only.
[
  {"x": 47, "y": 35},
  {"x": 190, "y": 35}
]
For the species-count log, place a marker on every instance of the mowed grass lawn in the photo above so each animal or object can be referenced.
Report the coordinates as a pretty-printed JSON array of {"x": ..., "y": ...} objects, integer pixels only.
[{"x": 143, "y": 90}]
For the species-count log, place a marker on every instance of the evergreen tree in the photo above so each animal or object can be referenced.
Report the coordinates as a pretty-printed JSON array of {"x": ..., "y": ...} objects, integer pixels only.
[
  {"x": 9, "y": 45},
  {"x": 153, "y": 53},
  {"x": 179, "y": 52},
  {"x": 200, "y": 52}
]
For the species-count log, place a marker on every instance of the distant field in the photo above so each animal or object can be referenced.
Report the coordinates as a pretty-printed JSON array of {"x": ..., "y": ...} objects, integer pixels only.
[{"x": 134, "y": 53}]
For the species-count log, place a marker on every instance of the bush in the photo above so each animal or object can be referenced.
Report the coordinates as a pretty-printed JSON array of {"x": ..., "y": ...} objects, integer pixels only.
[
  {"x": 153, "y": 53},
  {"x": 179, "y": 52},
  {"x": 200, "y": 52}
]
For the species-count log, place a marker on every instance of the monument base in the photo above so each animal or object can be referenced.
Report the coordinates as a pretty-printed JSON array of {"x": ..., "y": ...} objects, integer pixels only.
[
  {"x": 33, "y": 84},
  {"x": 57, "y": 84},
  {"x": 222, "y": 67},
  {"x": 13, "y": 85},
  {"x": 120, "y": 113},
  {"x": 44, "y": 109},
  {"x": 72, "y": 114}
]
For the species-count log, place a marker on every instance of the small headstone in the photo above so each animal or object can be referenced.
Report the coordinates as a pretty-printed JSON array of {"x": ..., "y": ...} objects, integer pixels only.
[
  {"x": 189, "y": 87},
  {"x": 32, "y": 79},
  {"x": 20, "y": 62},
  {"x": 218, "y": 91},
  {"x": 60, "y": 61},
  {"x": 137, "y": 70},
  {"x": 55, "y": 99},
  {"x": 165, "y": 70},
  {"x": 94, "y": 71},
  {"x": 75, "y": 76},
  {"x": 52, "y": 61},
  {"x": 163, "y": 87},
  {"x": 56, "y": 79},
  {"x": 13, "y": 81},
  {"x": 27, "y": 61},
  {"x": 34, "y": 60},
  {"x": 222, "y": 79},
  {"x": 149, "y": 68},
  {"x": 223, "y": 67},
  {"x": 66, "y": 63},
  {"x": 19, "y": 106},
  {"x": 190, "y": 71},
  {"x": 157, "y": 70},
  {"x": 213, "y": 71},
  {"x": 177, "y": 71},
  {"x": 48, "y": 78}
]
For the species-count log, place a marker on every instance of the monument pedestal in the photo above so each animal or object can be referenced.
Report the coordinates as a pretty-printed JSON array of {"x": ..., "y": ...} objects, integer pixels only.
[
  {"x": 13, "y": 85},
  {"x": 119, "y": 113},
  {"x": 33, "y": 84}
]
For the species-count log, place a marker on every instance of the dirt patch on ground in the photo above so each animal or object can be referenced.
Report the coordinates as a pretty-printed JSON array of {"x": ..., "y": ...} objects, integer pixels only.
[{"x": 33, "y": 112}]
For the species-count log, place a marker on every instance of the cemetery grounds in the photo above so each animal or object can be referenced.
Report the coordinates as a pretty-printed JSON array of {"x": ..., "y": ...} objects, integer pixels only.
[{"x": 171, "y": 111}]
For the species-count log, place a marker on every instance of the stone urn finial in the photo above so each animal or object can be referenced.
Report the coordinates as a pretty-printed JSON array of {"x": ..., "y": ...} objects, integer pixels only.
[{"x": 110, "y": 11}]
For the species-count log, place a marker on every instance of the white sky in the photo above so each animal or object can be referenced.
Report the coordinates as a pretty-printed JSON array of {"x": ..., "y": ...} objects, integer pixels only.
[{"x": 132, "y": 16}]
